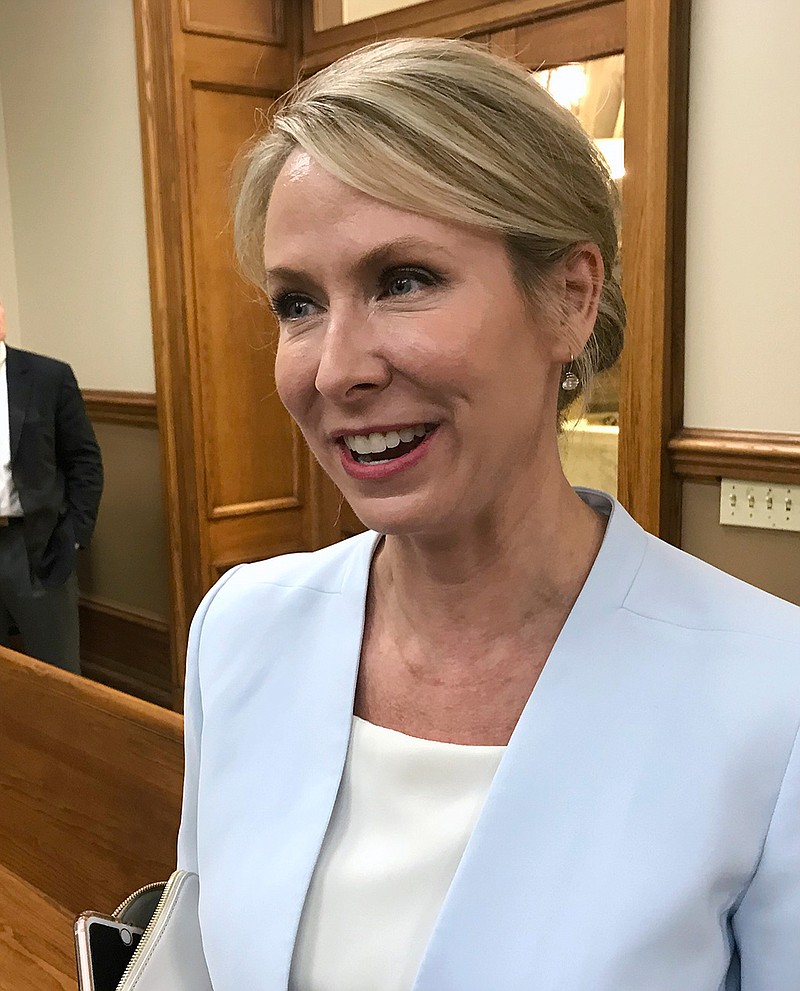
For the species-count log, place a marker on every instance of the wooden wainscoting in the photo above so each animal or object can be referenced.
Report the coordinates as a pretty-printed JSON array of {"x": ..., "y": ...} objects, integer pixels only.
[
  {"x": 127, "y": 649},
  {"x": 123, "y": 644},
  {"x": 134, "y": 409},
  {"x": 703, "y": 455}
]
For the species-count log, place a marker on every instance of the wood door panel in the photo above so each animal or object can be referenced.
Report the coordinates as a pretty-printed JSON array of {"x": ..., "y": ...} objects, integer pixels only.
[
  {"x": 251, "y": 451},
  {"x": 255, "y": 537},
  {"x": 252, "y": 20}
]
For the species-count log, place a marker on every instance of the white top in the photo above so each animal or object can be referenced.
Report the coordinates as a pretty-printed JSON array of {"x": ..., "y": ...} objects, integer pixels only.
[
  {"x": 403, "y": 815},
  {"x": 9, "y": 498}
]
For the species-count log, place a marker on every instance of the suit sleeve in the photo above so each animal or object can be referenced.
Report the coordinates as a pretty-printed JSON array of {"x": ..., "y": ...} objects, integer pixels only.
[
  {"x": 767, "y": 923},
  {"x": 192, "y": 733},
  {"x": 78, "y": 456}
]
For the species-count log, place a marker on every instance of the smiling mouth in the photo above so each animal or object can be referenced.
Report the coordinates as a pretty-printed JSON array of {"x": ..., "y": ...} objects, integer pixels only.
[{"x": 381, "y": 448}]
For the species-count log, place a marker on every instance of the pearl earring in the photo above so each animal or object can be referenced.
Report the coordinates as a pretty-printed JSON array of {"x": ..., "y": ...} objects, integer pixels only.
[{"x": 570, "y": 382}]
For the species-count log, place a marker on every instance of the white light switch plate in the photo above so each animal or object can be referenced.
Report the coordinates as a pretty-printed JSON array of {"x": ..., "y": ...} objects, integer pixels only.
[{"x": 759, "y": 504}]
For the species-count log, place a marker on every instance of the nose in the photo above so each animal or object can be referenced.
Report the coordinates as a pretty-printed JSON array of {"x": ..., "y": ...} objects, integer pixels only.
[{"x": 350, "y": 362}]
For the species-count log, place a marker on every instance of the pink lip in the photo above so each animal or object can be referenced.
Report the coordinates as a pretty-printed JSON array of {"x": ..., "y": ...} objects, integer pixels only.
[{"x": 377, "y": 472}]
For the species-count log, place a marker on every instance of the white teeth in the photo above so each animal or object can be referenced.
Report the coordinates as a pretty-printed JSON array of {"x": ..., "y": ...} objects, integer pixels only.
[{"x": 376, "y": 443}]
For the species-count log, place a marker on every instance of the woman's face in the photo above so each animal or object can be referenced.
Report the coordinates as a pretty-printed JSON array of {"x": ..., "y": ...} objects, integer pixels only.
[{"x": 420, "y": 378}]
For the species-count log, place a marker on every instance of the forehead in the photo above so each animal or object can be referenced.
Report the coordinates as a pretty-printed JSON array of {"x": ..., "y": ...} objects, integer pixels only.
[{"x": 312, "y": 213}]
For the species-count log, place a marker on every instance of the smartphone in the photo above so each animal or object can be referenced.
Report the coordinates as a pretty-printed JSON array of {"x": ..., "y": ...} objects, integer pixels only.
[{"x": 103, "y": 949}]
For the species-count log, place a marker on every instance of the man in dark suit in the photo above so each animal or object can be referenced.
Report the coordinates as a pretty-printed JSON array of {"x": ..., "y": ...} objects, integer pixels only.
[{"x": 51, "y": 479}]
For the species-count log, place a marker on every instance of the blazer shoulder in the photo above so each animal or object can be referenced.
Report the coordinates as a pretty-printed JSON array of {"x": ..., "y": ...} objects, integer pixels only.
[
  {"x": 676, "y": 588},
  {"x": 40, "y": 363},
  {"x": 319, "y": 573}
]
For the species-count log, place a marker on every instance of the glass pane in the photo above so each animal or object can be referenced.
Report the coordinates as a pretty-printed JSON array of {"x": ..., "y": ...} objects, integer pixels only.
[
  {"x": 330, "y": 13},
  {"x": 594, "y": 92}
]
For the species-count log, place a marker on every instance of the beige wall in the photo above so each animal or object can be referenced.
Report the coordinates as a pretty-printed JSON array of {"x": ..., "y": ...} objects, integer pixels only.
[
  {"x": 73, "y": 268},
  {"x": 743, "y": 246},
  {"x": 74, "y": 166},
  {"x": 764, "y": 558},
  {"x": 743, "y": 259},
  {"x": 8, "y": 264},
  {"x": 127, "y": 560}
]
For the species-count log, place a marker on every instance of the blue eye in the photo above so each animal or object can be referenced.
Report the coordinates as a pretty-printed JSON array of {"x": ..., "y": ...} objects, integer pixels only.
[
  {"x": 290, "y": 306},
  {"x": 403, "y": 285},
  {"x": 407, "y": 282}
]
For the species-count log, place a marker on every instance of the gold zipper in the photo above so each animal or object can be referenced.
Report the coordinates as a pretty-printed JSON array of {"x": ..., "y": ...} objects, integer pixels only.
[
  {"x": 132, "y": 898},
  {"x": 162, "y": 902}
]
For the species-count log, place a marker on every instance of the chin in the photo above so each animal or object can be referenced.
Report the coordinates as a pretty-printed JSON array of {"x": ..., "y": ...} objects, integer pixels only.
[{"x": 399, "y": 516}]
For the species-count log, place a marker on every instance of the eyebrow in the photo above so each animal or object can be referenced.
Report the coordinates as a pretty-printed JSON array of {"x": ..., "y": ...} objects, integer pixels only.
[{"x": 372, "y": 259}]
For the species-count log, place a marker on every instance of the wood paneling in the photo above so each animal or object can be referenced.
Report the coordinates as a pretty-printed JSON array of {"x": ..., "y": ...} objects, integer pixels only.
[
  {"x": 235, "y": 476},
  {"x": 134, "y": 409},
  {"x": 709, "y": 455},
  {"x": 252, "y": 20},
  {"x": 654, "y": 226},
  {"x": 251, "y": 451},
  {"x": 127, "y": 649}
]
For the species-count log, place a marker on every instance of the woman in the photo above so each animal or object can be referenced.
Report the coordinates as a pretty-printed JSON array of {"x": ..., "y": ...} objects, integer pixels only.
[{"x": 507, "y": 739}]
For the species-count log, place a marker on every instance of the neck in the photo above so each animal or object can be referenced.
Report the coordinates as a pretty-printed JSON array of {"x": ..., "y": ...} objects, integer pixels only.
[{"x": 497, "y": 577}]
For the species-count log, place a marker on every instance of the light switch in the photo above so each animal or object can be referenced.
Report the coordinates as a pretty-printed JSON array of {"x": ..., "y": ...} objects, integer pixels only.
[{"x": 764, "y": 505}]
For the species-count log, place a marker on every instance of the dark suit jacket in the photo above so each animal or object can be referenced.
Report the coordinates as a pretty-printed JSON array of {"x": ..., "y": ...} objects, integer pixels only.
[{"x": 55, "y": 462}]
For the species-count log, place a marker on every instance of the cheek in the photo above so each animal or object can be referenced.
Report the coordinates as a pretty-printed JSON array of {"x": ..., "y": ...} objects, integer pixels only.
[{"x": 295, "y": 375}]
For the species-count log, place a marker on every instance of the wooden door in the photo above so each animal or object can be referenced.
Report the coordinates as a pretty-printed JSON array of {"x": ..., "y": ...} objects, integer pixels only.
[{"x": 237, "y": 475}]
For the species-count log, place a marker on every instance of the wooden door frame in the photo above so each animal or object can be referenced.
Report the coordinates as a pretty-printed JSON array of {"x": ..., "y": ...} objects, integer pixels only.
[
  {"x": 654, "y": 209},
  {"x": 181, "y": 477},
  {"x": 654, "y": 259}
]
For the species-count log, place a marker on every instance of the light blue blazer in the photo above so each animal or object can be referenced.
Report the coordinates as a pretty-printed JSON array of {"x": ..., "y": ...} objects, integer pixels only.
[{"x": 642, "y": 832}]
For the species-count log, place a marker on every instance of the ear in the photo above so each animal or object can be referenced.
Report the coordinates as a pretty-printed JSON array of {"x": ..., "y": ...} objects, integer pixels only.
[{"x": 583, "y": 274}]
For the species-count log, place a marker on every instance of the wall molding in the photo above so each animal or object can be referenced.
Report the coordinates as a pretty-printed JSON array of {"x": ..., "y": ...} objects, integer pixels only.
[
  {"x": 134, "y": 409},
  {"x": 126, "y": 648},
  {"x": 705, "y": 455}
]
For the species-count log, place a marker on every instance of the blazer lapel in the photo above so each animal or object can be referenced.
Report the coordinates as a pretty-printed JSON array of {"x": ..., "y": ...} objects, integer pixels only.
[
  {"x": 19, "y": 391},
  {"x": 281, "y": 774},
  {"x": 499, "y": 924}
]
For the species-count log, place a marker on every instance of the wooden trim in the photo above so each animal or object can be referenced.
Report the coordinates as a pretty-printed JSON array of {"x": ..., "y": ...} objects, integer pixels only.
[
  {"x": 654, "y": 258},
  {"x": 702, "y": 455},
  {"x": 446, "y": 18},
  {"x": 126, "y": 648},
  {"x": 134, "y": 409},
  {"x": 252, "y": 508},
  {"x": 275, "y": 37},
  {"x": 161, "y": 130}
]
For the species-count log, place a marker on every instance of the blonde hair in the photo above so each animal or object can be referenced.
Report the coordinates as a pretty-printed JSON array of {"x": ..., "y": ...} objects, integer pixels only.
[{"x": 446, "y": 129}]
